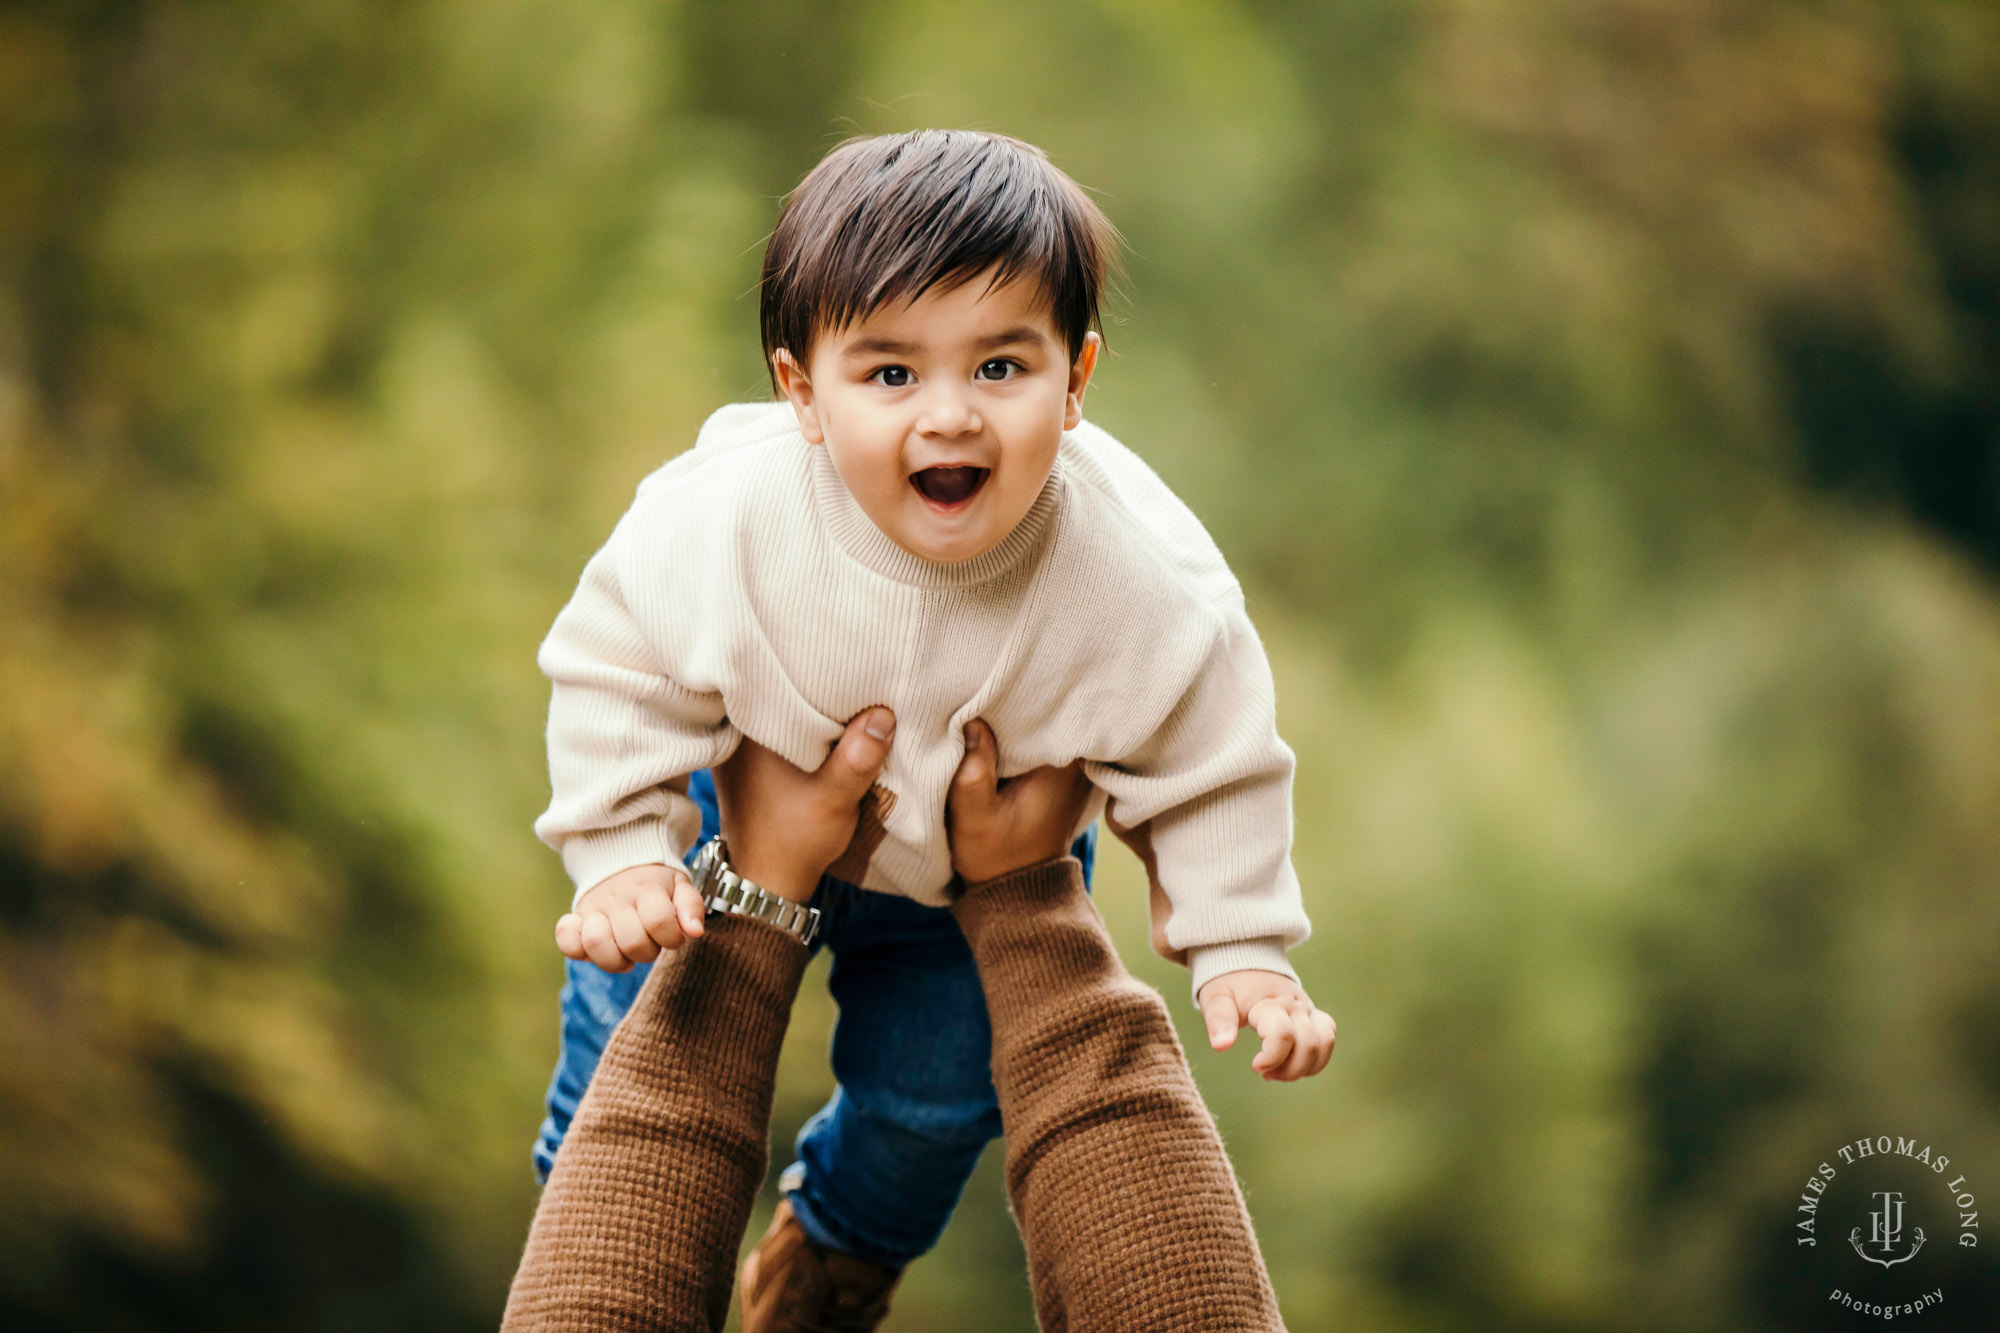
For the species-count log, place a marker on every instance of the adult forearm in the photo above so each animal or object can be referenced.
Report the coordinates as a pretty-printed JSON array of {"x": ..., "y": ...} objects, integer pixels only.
[
  {"x": 639, "y": 1224},
  {"x": 1127, "y": 1204}
]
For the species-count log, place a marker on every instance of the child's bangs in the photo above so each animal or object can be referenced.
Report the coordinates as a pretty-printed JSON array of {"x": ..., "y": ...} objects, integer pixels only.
[{"x": 887, "y": 219}]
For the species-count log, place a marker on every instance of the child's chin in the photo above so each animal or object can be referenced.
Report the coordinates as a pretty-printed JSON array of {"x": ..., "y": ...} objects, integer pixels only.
[{"x": 947, "y": 550}]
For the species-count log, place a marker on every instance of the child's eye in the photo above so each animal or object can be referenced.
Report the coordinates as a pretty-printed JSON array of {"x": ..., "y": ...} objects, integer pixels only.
[
  {"x": 999, "y": 368},
  {"x": 891, "y": 377}
]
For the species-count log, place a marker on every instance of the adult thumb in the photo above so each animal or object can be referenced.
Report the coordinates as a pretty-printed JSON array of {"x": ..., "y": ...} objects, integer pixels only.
[
  {"x": 860, "y": 753},
  {"x": 1224, "y": 1018},
  {"x": 977, "y": 777}
]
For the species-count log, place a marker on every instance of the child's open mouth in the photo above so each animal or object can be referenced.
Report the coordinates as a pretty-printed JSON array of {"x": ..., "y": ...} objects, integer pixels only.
[{"x": 949, "y": 487}]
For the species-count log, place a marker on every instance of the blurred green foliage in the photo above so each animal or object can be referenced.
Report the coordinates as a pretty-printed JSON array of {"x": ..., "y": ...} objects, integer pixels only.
[{"x": 1601, "y": 399}]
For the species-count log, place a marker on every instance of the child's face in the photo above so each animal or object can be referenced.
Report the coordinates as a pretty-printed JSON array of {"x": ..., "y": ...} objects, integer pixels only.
[{"x": 942, "y": 415}]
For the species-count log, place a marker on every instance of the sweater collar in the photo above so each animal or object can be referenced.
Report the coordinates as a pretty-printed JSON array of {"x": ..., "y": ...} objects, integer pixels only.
[{"x": 856, "y": 534}]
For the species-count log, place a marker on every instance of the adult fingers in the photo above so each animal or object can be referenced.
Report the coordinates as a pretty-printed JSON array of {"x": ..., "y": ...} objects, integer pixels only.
[
  {"x": 1274, "y": 1024},
  {"x": 975, "y": 783},
  {"x": 1219, "y": 1011},
  {"x": 569, "y": 935},
  {"x": 1047, "y": 792},
  {"x": 599, "y": 947},
  {"x": 858, "y": 757},
  {"x": 630, "y": 935},
  {"x": 689, "y": 907}
]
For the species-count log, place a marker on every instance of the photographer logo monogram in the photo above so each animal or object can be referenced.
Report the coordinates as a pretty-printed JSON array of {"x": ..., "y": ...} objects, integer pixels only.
[
  {"x": 1899, "y": 1197},
  {"x": 1886, "y": 1231}
]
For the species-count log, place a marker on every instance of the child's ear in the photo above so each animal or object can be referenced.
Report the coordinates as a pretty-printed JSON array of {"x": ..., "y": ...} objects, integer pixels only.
[
  {"x": 1079, "y": 379},
  {"x": 792, "y": 383}
]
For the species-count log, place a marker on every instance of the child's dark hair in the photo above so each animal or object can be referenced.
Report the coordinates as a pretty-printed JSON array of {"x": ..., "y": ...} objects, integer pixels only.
[{"x": 887, "y": 218}]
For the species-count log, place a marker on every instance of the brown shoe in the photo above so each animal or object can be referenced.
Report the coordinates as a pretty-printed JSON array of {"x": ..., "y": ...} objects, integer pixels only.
[{"x": 790, "y": 1285}]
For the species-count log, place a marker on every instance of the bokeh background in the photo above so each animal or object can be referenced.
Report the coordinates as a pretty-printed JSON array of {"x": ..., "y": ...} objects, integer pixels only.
[{"x": 1600, "y": 400}]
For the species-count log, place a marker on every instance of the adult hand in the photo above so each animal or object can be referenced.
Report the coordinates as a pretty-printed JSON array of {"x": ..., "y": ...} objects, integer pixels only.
[
  {"x": 785, "y": 826},
  {"x": 998, "y": 827},
  {"x": 1298, "y": 1036}
]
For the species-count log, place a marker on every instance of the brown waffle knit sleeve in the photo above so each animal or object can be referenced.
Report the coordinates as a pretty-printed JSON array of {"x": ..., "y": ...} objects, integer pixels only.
[
  {"x": 1126, "y": 1201},
  {"x": 638, "y": 1226}
]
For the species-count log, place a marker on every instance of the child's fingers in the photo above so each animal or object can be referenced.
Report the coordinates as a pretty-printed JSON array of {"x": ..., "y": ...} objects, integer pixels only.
[
  {"x": 689, "y": 907},
  {"x": 630, "y": 935},
  {"x": 569, "y": 935},
  {"x": 1328, "y": 1032},
  {"x": 1224, "y": 1019},
  {"x": 1305, "y": 1057},
  {"x": 656, "y": 914},
  {"x": 1315, "y": 1029},
  {"x": 599, "y": 947},
  {"x": 1274, "y": 1024}
]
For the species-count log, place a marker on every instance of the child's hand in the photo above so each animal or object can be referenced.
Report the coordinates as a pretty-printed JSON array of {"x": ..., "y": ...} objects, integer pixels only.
[
  {"x": 1298, "y": 1037},
  {"x": 630, "y": 917}
]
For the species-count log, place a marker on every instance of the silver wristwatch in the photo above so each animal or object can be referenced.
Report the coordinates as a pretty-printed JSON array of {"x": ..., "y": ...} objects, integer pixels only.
[{"x": 723, "y": 890}]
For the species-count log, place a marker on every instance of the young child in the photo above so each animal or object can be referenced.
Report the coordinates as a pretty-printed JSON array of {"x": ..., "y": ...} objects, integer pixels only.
[{"x": 926, "y": 531}]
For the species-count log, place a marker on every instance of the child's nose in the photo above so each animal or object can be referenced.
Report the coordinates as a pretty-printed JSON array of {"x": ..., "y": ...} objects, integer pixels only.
[{"x": 946, "y": 411}]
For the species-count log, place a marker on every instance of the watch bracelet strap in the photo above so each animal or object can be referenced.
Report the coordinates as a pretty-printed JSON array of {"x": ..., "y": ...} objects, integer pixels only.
[
  {"x": 725, "y": 891},
  {"x": 742, "y": 898}
]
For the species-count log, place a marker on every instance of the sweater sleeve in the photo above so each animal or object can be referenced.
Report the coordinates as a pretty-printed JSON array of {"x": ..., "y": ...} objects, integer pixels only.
[
  {"x": 623, "y": 736},
  {"x": 1206, "y": 803},
  {"x": 1127, "y": 1203},
  {"x": 638, "y": 1226},
  {"x": 1128, "y": 1207}
]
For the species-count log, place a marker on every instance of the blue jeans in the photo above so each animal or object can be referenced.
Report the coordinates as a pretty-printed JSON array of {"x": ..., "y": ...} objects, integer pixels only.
[{"x": 879, "y": 1167}]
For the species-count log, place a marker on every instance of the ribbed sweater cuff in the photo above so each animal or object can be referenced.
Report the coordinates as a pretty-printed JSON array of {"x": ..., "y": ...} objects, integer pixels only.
[
  {"x": 591, "y": 857},
  {"x": 1212, "y": 960}
]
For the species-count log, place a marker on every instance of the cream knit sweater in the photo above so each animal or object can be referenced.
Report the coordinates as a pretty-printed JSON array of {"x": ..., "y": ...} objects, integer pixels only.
[{"x": 745, "y": 593}]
